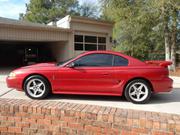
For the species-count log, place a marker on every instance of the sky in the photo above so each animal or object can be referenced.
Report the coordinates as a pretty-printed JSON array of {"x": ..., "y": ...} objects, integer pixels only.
[{"x": 12, "y": 8}]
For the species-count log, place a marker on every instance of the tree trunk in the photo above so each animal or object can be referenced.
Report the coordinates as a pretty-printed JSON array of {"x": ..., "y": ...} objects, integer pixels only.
[
  {"x": 166, "y": 35},
  {"x": 173, "y": 41},
  {"x": 173, "y": 54},
  {"x": 167, "y": 43}
]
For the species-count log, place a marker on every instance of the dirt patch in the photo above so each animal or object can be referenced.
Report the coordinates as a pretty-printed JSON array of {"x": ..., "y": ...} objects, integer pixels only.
[{"x": 177, "y": 73}]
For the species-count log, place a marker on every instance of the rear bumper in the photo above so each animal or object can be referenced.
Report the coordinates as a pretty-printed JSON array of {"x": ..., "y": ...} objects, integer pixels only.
[
  {"x": 13, "y": 82},
  {"x": 164, "y": 85}
]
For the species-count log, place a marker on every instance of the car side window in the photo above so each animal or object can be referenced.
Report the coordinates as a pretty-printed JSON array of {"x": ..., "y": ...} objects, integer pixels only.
[
  {"x": 95, "y": 60},
  {"x": 120, "y": 61}
]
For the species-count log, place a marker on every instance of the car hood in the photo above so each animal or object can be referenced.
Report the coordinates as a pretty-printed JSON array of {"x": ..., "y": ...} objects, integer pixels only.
[{"x": 52, "y": 64}]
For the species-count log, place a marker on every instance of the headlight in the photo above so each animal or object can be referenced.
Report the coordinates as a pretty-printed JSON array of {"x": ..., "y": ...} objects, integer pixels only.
[{"x": 12, "y": 74}]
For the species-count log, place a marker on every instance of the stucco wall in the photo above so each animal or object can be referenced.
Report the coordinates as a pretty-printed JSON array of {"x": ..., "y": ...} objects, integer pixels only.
[
  {"x": 60, "y": 51},
  {"x": 91, "y": 27}
]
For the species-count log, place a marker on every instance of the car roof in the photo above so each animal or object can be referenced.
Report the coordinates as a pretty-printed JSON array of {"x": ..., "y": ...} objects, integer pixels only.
[
  {"x": 106, "y": 52},
  {"x": 100, "y": 51}
]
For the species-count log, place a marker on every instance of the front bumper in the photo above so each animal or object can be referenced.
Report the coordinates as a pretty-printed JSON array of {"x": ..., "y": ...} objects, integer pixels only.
[{"x": 14, "y": 82}]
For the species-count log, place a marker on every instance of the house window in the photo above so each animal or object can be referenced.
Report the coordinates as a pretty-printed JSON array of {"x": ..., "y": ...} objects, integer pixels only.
[
  {"x": 101, "y": 43},
  {"x": 90, "y": 39},
  {"x": 78, "y": 46},
  {"x": 101, "y": 47},
  {"x": 89, "y": 43},
  {"x": 78, "y": 38},
  {"x": 90, "y": 47},
  {"x": 101, "y": 40}
]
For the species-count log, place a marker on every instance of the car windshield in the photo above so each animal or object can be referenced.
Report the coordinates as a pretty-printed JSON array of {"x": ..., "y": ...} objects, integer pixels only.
[{"x": 63, "y": 62}]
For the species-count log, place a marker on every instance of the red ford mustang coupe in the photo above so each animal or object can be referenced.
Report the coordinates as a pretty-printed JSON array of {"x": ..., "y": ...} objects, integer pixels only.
[{"x": 94, "y": 73}]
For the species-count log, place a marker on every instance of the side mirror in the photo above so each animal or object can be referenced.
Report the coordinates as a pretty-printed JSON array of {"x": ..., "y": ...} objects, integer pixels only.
[{"x": 71, "y": 65}]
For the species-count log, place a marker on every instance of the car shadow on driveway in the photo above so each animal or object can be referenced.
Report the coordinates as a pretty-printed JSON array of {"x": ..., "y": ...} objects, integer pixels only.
[
  {"x": 170, "y": 97},
  {"x": 161, "y": 98},
  {"x": 86, "y": 97}
]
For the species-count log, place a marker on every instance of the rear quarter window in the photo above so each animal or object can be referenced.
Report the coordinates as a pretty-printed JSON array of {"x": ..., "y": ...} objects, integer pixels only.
[{"x": 120, "y": 61}]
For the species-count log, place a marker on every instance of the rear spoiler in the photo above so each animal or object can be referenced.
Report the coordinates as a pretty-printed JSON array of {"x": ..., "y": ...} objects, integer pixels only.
[{"x": 160, "y": 63}]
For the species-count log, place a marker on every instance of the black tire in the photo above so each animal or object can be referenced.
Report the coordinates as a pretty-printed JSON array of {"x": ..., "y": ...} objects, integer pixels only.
[
  {"x": 136, "y": 81},
  {"x": 47, "y": 88}
]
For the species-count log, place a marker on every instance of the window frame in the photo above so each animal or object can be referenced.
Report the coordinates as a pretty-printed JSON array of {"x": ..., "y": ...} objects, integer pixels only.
[
  {"x": 98, "y": 38},
  {"x": 77, "y": 37},
  {"x": 89, "y": 43},
  {"x": 120, "y": 57},
  {"x": 113, "y": 61},
  {"x": 95, "y": 66},
  {"x": 89, "y": 36},
  {"x": 75, "y": 44}
]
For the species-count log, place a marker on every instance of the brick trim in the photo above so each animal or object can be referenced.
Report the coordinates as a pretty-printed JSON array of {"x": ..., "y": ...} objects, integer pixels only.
[{"x": 53, "y": 118}]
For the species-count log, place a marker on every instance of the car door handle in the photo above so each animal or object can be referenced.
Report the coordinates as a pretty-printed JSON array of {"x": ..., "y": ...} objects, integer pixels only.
[{"x": 105, "y": 74}]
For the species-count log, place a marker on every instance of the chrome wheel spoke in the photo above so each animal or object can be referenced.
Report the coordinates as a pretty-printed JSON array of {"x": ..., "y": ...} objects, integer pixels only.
[
  {"x": 31, "y": 88},
  {"x": 40, "y": 84},
  {"x": 142, "y": 93},
  {"x": 34, "y": 82},
  {"x": 40, "y": 90},
  {"x": 35, "y": 92},
  {"x": 138, "y": 96},
  {"x": 140, "y": 87},
  {"x": 133, "y": 93},
  {"x": 134, "y": 87}
]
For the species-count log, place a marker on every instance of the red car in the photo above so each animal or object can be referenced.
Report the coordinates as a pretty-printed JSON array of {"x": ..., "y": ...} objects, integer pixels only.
[{"x": 94, "y": 73}]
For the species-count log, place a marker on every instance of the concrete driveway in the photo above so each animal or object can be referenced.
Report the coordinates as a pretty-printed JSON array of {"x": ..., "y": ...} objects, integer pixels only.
[{"x": 167, "y": 103}]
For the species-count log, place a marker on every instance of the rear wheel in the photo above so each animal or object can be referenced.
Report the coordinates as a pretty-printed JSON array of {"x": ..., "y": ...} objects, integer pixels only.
[
  {"x": 138, "y": 91},
  {"x": 36, "y": 87}
]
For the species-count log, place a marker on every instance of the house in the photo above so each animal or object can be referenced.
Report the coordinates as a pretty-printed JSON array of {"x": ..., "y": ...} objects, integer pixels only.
[{"x": 23, "y": 43}]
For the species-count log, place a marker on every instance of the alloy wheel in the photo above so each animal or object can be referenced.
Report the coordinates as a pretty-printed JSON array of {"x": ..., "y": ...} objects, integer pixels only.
[
  {"x": 138, "y": 92},
  {"x": 36, "y": 88}
]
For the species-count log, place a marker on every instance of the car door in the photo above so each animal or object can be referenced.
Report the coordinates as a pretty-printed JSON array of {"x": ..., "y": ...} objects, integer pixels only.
[
  {"x": 122, "y": 72},
  {"x": 91, "y": 74}
]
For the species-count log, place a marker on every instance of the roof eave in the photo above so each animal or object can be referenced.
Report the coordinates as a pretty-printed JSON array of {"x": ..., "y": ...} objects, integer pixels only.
[
  {"x": 91, "y": 21},
  {"x": 36, "y": 27}
]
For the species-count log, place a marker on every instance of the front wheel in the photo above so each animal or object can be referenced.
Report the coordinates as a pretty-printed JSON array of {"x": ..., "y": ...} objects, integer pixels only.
[
  {"x": 36, "y": 87},
  {"x": 138, "y": 91}
]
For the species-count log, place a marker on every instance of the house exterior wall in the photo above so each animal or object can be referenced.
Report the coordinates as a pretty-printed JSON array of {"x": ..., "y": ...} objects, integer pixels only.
[
  {"x": 91, "y": 28},
  {"x": 58, "y": 50},
  {"x": 25, "y": 34},
  {"x": 64, "y": 22}
]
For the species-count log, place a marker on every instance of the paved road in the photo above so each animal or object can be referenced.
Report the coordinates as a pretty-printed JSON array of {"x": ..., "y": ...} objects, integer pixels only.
[{"x": 167, "y": 103}]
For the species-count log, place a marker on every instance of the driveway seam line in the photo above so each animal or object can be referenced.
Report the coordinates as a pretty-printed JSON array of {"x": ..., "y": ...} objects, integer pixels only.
[{"x": 6, "y": 92}]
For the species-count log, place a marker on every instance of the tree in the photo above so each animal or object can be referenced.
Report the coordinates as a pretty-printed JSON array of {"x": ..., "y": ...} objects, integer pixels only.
[
  {"x": 44, "y": 11},
  {"x": 169, "y": 10},
  {"x": 135, "y": 27},
  {"x": 88, "y": 9},
  {"x": 143, "y": 26}
]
